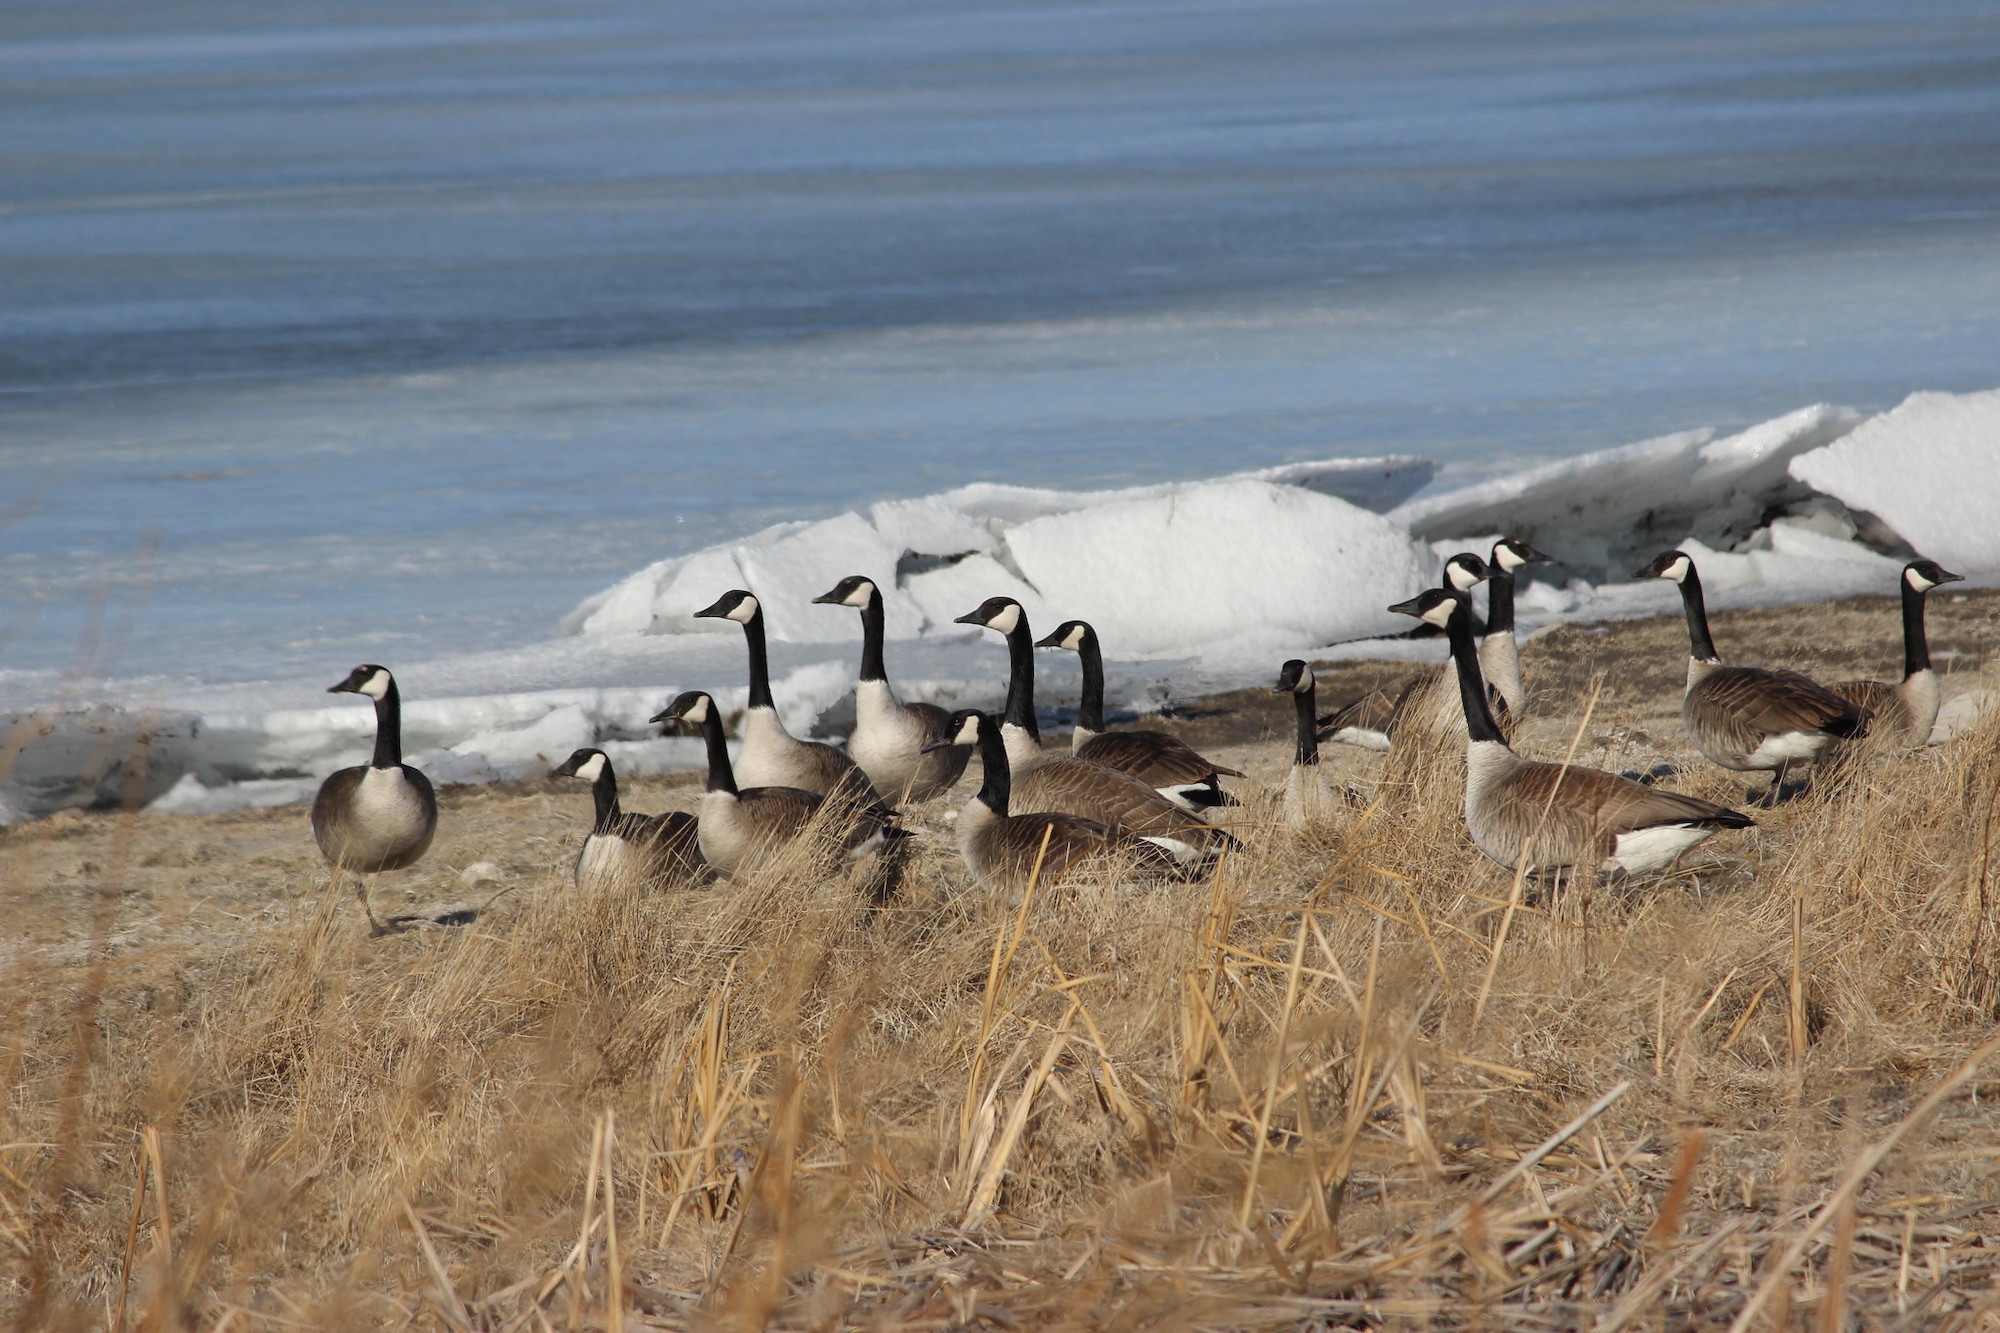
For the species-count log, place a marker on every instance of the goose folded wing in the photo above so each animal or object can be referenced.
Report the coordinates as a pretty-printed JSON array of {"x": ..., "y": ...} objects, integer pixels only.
[
  {"x": 936, "y": 722},
  {"x": 1117, "y": 800},
  {"x": 1775, "y": 702},
  {"x": 1154, "y": 756},
  {"x": 1369, "y": 712},
  {"x": 1874, "y": 695}
]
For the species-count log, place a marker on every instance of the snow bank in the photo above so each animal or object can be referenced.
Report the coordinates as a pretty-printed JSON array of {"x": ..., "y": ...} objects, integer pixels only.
[
  {"x": 1239, "y": 567},
  {"x": 1604, "y": 513},
  {"x": 1193, "y": 586},
  {"x": 1929, "y": 470}
]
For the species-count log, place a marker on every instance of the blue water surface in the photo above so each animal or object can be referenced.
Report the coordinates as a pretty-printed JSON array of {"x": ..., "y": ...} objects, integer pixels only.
[{"x": 341, "y": 331}]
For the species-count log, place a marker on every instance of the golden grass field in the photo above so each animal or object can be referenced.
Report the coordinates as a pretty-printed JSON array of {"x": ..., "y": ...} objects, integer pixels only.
[{"x": 1362, "y": 1078}]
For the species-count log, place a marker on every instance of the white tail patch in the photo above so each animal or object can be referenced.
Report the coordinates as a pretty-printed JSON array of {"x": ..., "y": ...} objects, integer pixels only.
[
  {"x": 1651, "y": 848},
  {"x": 1180, "y": 851}
]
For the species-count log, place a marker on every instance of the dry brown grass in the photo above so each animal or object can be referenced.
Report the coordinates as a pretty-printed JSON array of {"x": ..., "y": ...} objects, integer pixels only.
[{"x": 1360, "y": 1078}]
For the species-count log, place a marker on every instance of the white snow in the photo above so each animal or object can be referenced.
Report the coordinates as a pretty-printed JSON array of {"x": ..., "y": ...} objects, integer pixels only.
[
  {"x": 1233, "y": 568},
  {"x": 1930, "y": 470},
  {"x": 1604, "y": 513},
  {"x": 1192, "y": 586}
]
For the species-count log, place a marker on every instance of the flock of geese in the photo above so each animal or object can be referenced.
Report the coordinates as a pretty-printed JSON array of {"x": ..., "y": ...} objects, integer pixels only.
[{"x": 1145, "y": 795}]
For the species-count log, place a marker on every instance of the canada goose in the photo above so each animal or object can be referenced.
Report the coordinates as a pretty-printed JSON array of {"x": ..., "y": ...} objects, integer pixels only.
[
  {"x": 380, "y": 815},
  {"x": 772, "y": 756},
  {"x": 1748, "y": 718},
  {"x": 1904, "y": 713},
  {"x": 1306, "y": 798},
  {"x": 1575, "y": 818},
  {"x": 1001, "y": 847},
  {"x": 742, "y": 828},
  {"x": 1065, "y": 783},
  {"x": 1499, "y": 655},
  {"x": 637, "y": 851},
  {"x": 1165, "y": 763},
  {"x": 892, "y": 740},
  {"x": 1423, "y": 699}
]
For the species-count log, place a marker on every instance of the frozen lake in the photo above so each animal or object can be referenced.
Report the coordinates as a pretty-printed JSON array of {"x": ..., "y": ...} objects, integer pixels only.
[{"x": 332, "y": 332}]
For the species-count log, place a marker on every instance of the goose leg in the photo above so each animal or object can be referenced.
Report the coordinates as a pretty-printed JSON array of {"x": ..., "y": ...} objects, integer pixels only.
[{"x": 375, "y": 927}]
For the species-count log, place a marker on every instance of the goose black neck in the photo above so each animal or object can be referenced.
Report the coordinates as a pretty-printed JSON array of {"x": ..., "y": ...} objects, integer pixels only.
[
  {"x": 997, "y": 780},
  {"x": 1916, "y": 644},
  {"x": 1021, "y": 677},
  {"x": 760, "y": 661},
  {"x": 605, "y": 790},
  {"x": 1479, "y": 724},
  {"x": 1700, "y": 647},
  {"x": 871, "y": 637},
  {"x": 1500, "y": 601},
  {"x": 1090, "y": 710},
  {"x": 389, "y": 728},
  {"x": 1307, "y": 751},
  {"x": 721, "y": 777}
]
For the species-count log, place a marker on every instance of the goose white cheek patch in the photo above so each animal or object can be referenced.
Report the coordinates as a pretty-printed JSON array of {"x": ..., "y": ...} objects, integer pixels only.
[{"x": 376, "y": 686}]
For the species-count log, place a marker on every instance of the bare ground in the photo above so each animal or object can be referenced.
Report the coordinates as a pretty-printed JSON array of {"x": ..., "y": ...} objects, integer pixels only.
[{"x": 1308, "y": 1094}]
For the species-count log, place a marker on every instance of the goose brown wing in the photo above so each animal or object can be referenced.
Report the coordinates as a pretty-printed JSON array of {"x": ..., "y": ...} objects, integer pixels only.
[
  {"x": 1429, "y": 700},
  {"x": 1417, "y": 698},
  {"x": 1015, "y": 842},
  {"x": 937, "y": 722},
  {"x": 838, "y": 775},
  {"x": 1370, "y": 712},
  {"x": 1770, "y": 703},
  {"x": 1117, "y": 800},
  {"x": 670, "y": 840},
  {"x": 1591, "y": 808},
  {"x": 779, "y": 811},
  {"x": 1878, "y": 697},
  {"x": 1154, "y": 757}
]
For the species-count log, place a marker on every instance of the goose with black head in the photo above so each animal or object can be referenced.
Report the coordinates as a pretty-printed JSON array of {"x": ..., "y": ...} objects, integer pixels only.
[
  {"x": 1557, "y": 817},
  {"x": 380, "y": 815},
  {"x": 1048, "y": 782},
  {"x": 1162, "y": 761},
  {"x": 631, "y": 850},
  {"x": 771, "y": 756},
  {"x": 892, "y": 740}
]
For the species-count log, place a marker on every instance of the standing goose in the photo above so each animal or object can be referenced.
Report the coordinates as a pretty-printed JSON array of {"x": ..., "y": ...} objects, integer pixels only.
[
  {"x": 1499, "y": 655},
  {"x": 1421, "y": 699},
  {"x": 1065, "y": 783},
  {"x": 892, "y": 740},
  {"x": 1904, "y": 713},
  {"x": 1748, "y": 718},
  {"x": 1002, "y": 848},
  {"x": 772, "y": 756},
  {"x": 1577, "y": 818},
  {"x": 744, "y": 828},
  {"x": 1165, "y": 763},
  {"x": 380, "y": 815},
  {"x": 1306, "y": 799},
  {"x": 634, "y": 851}
]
